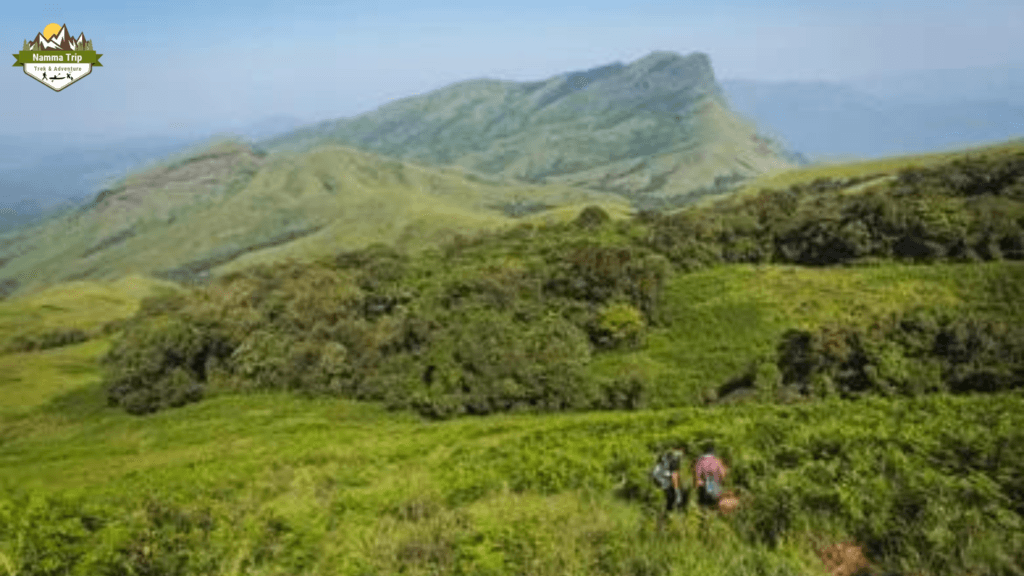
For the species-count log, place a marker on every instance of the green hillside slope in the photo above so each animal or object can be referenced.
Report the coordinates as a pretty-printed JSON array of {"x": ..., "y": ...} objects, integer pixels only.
[
  {"x": 275, "y": 484},
  {"x": 657, "y": 130},
  {"x": 856, "y": 356},
  {"x": 522, "y": 319},
  {"x": 43, "y": 348},
  {"x": 72, "y": 311},
  {"x": 227, "y": 203},
  {"x": 869, "y": 172}
]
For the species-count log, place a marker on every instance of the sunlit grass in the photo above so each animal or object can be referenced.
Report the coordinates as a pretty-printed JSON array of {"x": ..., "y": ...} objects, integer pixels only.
[
  {"x": 29, "y": 380},
  {"x": 333, "y": 199},
  {"x": 85, "y": 306},
  {"x": 359, "y": 488},
  {"x": 722, "y": 319},
  {"x": 329, "y": 486},
  {"x": 882, "y": 166}
]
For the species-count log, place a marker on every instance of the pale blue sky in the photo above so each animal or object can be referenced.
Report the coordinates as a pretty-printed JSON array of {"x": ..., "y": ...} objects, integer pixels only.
[{"x": 207, "y": 65}]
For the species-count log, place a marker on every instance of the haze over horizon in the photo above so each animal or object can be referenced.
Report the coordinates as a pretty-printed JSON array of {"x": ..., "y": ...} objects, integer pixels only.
[{"x": 168, "y": 68}]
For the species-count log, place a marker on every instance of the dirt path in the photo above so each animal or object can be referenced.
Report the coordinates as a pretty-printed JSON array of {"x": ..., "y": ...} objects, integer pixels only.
[{"x": 844, "y": 559}]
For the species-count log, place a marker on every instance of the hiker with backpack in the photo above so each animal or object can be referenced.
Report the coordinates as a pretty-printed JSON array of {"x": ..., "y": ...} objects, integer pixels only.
[
  {"x": 708, "y": 475},
  {"x": 666, "y": 476}
]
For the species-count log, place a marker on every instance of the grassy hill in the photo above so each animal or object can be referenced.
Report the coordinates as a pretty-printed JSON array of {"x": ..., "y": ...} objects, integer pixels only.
[
  {"x": 656, "y": 130},
  {"x": 81, "y": 309},
  {"x": 721, "y": 321},
  {"x": 857, "y": 358},
  {"x": 331, "y": 487},
  {"x": 227, "y": 206},
  {"x": 36, "y": 362},
  {"x": 273, "y": 484},
  {"x": 859, "y": 175}
]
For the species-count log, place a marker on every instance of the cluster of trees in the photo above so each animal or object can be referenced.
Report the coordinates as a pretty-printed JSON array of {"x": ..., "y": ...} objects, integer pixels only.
[
  {"x": 967, "y": 210},
  {"x": 376, "y": 325},
  {"x": 511, "y": 320},
  {"x": 907, "y": 355}
]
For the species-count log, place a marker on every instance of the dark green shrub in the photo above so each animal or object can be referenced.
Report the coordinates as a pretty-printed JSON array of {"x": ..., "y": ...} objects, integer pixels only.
[
  {"x": 988, "y": 248},
  {"x": 377, "y": 265},
  {"x": 819, "y": 243},
  {"x": 487, "y": 362},
  {"x": 591, "y": 217},
  {"x": 47, "y": 340},
  {"x": 276, "y": 361},
  {"x": 162, "y": 304},
  {"x": 625, "y": 392},
  {"x": 918, "y": 249},
  {"x": 597, "y": 274},
  {"x": 159, "y": 363},
  {"x": 913, "y": 354},
  {"x": 746, "y": 250},
  {"x": 619, "y": 325},
  {"x": 981, "y": 355}
]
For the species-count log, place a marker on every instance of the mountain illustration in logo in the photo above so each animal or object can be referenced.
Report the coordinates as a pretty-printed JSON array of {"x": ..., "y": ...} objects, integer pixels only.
[
  {"x": 57, "y": 59},
  {"x": 62, "y": 40}
]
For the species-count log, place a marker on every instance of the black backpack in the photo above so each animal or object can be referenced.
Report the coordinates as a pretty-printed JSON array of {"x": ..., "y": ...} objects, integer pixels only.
[{"x": 661, "y": 474}]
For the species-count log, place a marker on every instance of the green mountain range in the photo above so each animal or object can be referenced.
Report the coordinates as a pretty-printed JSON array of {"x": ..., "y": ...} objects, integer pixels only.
[
  {"x": 657, "y": 128},
  {"x": 475, "y": 155},
  {"x": 849, "y": 338}
]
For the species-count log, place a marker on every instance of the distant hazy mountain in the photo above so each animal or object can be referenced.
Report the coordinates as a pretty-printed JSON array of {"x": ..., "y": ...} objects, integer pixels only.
[
  {"x": 51, "y": 168},
  {"x": 51, "y": 171},
  {"x": 15, "y": 215},
  {"x": 828, "y": 120},
  {"x": 992, "y": 84},
  {"x": 658, "y": 127},
  {"x": 268, "y": 127}
]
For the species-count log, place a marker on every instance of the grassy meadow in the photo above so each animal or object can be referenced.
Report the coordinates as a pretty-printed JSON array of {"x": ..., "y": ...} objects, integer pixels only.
[
  {"x": 84, "y": 309},
  {"x": 274, "y": 484},
  {"x": 494, "y": 406},
  {"x": 271, "y": 483},
  {"x": 723, "y": 319}
]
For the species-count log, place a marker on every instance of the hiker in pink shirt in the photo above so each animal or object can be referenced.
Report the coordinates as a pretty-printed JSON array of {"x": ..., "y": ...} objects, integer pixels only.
[{"x": 708, "y": 476}]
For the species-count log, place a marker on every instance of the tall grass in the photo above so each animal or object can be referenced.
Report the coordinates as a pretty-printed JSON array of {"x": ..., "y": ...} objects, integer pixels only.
[
  {"x": 7, "y": 565},
  {"x": 276, "y": 484}
]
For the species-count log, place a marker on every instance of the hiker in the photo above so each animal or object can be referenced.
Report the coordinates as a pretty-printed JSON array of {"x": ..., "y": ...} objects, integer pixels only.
[
  {"x": 666, "y": 476},
  {"x": 708, "y": 475}
]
